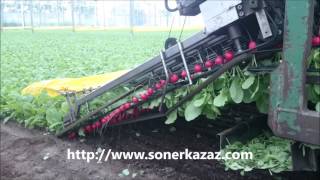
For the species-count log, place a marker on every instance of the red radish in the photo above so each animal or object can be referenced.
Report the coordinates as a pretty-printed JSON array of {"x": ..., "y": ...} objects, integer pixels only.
[
  {"x": 135, "y": 100},
  {"x": 316, "y": 41},
  {"x": 208, "y": 64},
  {"x": 122, "y": 108},
  {"x": 104, "y": 120},
  {"x": 144, "y": 97},
  {"x": 162, "y": 82},
  {"x": 88, "y": 129},
  {"x": 228, "y": 55},
  {"x": 93, "y": 126},
  {"x": 117, "y": 111},
  {"x": 127, "y": 105},
  {"x": 98, "y": 124},
  {"x": 158, "y": 86},
  {"x": 183, "y": 74},
  {"x": 197, "y": 68},
  {"x": 72, "y": 135},
  {"x": 150, "y": 91},
  {"x": 252, "y": 45},
  {"x": 174, "y": 78},
  {"x": 218, "y": 60}
]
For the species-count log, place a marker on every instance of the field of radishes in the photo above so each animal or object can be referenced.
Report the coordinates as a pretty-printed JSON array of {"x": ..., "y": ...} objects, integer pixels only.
[{"x": 27, "y": 58}]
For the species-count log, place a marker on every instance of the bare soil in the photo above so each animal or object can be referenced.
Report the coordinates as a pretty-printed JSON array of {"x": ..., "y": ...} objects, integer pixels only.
[{"x": 34, "y": 154}]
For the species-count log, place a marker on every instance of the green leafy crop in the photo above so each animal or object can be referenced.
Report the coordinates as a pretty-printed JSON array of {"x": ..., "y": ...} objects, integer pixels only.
[
  {"x": 30, "y": 57},
  {"x": 269, "y": 152}
]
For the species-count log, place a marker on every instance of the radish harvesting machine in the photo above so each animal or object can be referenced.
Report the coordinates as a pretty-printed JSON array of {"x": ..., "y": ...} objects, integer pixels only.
[{"x": 234, "y": 32}]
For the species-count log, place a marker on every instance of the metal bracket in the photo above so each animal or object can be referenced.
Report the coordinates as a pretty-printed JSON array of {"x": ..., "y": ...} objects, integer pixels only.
[
  {"x": 71, "y": 113},
  {"x": 263, "y": 23},
  {"x": 200, "y": 57},
  {"x": 184, "y": 62},
  {"x": 167, "y": 79}
]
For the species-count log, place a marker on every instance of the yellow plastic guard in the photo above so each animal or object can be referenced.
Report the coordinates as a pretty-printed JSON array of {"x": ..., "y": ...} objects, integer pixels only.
[{"x": 56, "y": 86}]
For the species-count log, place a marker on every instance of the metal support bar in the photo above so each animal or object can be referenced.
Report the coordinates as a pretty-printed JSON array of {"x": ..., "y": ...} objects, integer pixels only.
[
  {"x": 167, "y": 79},
  {"x": 200, "y": 57},
  {"x": 263, "y": 23},
  {"x": 71, "y": 113},
  {"x": 184, "y": 62}
]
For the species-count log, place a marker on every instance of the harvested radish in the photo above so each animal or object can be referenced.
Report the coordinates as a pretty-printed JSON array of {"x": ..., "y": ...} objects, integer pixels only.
[
  {"x": 98, "y": 124},
  {"x": 93, "y": 126},
  {"x": 252, "y": 45},
  {"x": 150, "y": 91},
  {"x": 316, "y": 41},
  {"x": 117, "y": 111},
  {"x": 158, "y": 86},
  {"x": 218, "y": 60},
  {"x": 174, "y": 78},
  {"x": 208, "y": 64},
  {"x": 228, "y": 55},
  {"x": 144, "y": 97},
  {"x": 127, "y": 105},
  {"x": 88, "y": 129},
  {"x": 122, "y": 108},
  {"x": 183, "y": 74},
  {"x": 197, "y": 68},
  {"x": 135, "y": 100},
  {"x": 162, "y": 82},
  {"x": 72, "y": 135},
  {"x": 104, "y": 120}
]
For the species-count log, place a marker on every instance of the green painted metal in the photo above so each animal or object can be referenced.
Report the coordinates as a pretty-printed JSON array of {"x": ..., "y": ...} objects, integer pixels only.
[{"x": 288, "y": 114}]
